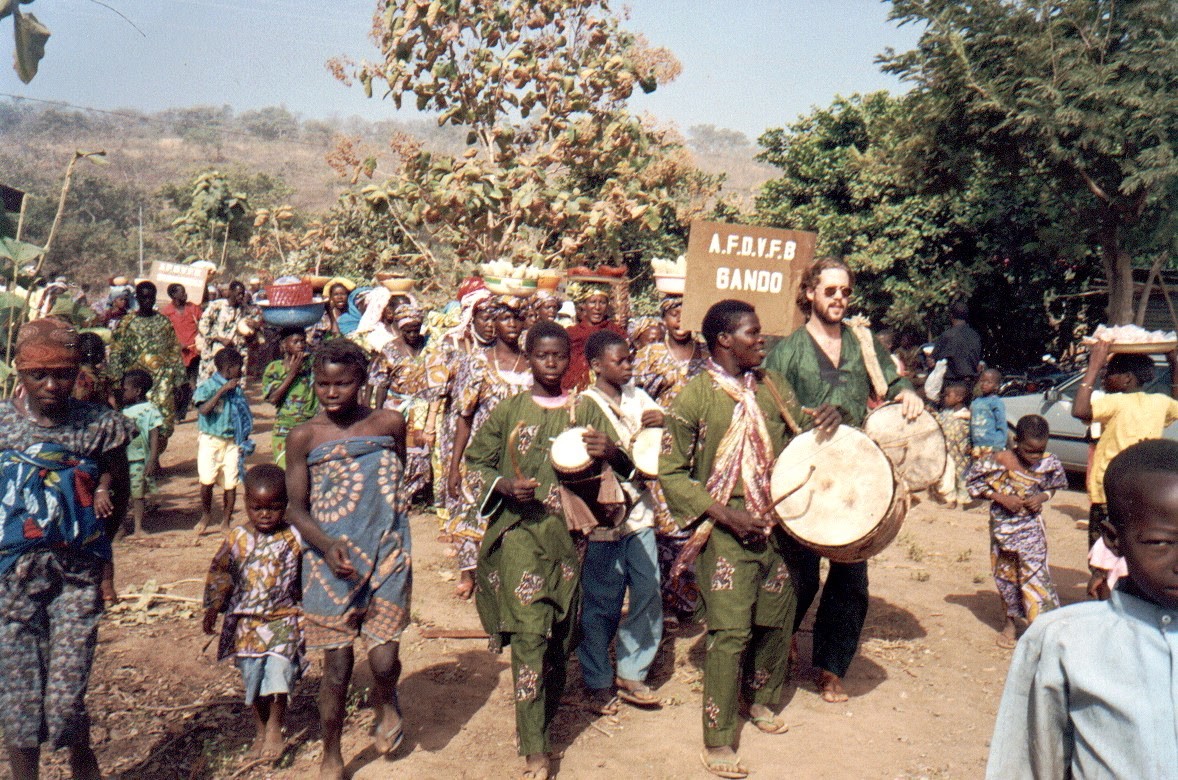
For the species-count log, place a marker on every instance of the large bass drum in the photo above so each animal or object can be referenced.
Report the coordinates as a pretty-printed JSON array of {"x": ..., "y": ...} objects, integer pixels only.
[
  {"x": 915, "y": 447},
  {"x": 850, "y": 505}
]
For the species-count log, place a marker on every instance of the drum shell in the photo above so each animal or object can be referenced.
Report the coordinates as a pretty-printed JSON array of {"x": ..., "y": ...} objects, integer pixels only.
[
  {"x": 916, "y": 448},
  {"x": 646, "y": 442},
  {"x": 850, "y": 472}
]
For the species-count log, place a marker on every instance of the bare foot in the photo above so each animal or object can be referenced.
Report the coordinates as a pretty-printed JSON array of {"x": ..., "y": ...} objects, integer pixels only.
[
  {"x": 831, "y": 687},
  {"x": 536, "y": 767},
  {"x": 332, "y": 767},
  {"x": 271, "y": 747},
  {"x": 1006, "y": 637},
  {"x": 202, "y": 527},
  {"x": 255, "y": 751},
  {"x": 465, "y": 588}
]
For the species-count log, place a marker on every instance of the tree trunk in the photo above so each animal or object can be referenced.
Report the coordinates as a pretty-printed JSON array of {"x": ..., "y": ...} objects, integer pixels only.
[{"x": 1118, "y": 268}]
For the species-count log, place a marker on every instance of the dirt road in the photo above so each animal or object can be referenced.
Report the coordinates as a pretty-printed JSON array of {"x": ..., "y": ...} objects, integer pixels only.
[{"x": 924, "y": 687}]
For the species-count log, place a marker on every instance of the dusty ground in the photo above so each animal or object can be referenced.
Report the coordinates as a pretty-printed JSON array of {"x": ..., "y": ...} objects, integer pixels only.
[{"x": 925, "y": 685}]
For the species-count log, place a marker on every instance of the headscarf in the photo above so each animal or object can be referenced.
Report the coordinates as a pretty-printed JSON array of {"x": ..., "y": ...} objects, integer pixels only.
[
  {"x": 50, "y": 342},
  {"x": 374, "y": 305},
  {"x": 350, "y": 320},
  {"x": 640, "y": 325},
  {"x": 669, "y": 302},
  {"x": 581, "y": 291},
  {"x": 470, "y": 297},
  {"x": 408, "y": 312},
  {"x": 503, "y": 303}
]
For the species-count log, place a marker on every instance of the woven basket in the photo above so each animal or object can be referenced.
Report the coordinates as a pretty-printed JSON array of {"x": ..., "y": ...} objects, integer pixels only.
[{"x": 298, "y": 294}]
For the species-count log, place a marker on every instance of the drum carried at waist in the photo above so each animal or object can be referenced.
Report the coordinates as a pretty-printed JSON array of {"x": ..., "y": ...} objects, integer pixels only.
[
  {"x": 644, "y": 451},
  {"x": 915, "y": 447},
  {"x": 846, "y": 502},
  {"x": 582, "y": 475}
]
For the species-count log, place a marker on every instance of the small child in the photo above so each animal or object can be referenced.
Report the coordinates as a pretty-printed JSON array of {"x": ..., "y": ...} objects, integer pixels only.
[
  {"x": 1088, "y": 693},
  {"x": 225, "y": 424},
  {"x": 1018, "y": 482},
  {"x": 954, "y": 417},
  {"x": 254, "y": 579},
  {"x": 289, "y": 384},
  {"x": 92, "y": 385},
  {"x": 143, "y": 453},
  {"x": 987, "y": 416}
]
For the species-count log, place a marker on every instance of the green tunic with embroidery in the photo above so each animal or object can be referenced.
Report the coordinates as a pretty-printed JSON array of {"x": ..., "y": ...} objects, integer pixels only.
[
  {"x": 743, "y": 583},
  {"x": 528, "y": 572},
  {"x": 798, "y": 358}
]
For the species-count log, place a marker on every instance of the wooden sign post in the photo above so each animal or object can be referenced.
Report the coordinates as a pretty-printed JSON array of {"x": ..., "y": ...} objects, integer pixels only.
[
  {"x": 192, "y": 278},
  {"x": 758, "y": 265}
]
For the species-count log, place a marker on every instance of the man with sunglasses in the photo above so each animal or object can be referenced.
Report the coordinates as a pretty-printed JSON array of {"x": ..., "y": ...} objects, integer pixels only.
[{"x": 824, "y": 363}]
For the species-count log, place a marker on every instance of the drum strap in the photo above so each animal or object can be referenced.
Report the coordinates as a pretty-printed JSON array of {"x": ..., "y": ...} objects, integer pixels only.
[
  {"x": 859, "y": 326},
  {"x": 779, "y": 402}
]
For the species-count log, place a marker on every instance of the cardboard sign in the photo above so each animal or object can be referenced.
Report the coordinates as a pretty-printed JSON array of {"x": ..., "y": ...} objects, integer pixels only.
[
  {"x": 191, "y": 278},
  {"x": 758, "y": 265}
]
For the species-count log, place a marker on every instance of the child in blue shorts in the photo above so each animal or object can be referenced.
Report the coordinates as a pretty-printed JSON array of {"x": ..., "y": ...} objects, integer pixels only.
[{"x": 255, "y": 580}]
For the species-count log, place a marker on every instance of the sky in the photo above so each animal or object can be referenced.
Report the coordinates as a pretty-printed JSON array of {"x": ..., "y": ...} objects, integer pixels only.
[{"x": 748, "y": 65}]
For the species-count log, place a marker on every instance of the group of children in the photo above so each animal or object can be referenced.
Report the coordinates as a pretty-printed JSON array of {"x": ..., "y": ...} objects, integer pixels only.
[{"x": 973, "y": 429}]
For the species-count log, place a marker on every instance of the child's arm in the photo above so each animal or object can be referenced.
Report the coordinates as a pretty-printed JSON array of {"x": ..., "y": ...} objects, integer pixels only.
[
  {"x": 115, "y": 473},
  {"x": 218, "y": 587},
  {"x": 153, "y": 452},
  {"x": 210, "y": 405}
]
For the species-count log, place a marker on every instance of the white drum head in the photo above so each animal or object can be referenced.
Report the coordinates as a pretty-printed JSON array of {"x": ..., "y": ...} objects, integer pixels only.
[
  {"x": 645, "y": 450},
  {"x": 847, "y": 495},
  {"x": 568, "y": 452},
  {"x": 916, "y": 447}
]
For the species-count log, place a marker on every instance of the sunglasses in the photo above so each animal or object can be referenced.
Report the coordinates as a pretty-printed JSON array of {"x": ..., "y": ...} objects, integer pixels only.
[{"x": 831, "y": 291}]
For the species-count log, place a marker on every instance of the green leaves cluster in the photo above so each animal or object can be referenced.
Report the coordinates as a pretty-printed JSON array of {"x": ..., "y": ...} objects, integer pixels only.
[
  {"x": 555, "y": 167},
  {"x": 216, "y": 214}
]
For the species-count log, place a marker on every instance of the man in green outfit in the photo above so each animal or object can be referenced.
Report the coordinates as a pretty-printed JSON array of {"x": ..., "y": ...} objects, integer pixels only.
[
  {"x": 721, "y": 437},
  {"x": 824, "y": 363}
]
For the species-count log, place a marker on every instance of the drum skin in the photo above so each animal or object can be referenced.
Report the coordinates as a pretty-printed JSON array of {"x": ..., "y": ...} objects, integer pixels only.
[
  {"x": 570, "y": 460},
  {"x": 851, "y": 506},
  {"x": 644, "y": 451},
  {"x": 916, "y": 447}
]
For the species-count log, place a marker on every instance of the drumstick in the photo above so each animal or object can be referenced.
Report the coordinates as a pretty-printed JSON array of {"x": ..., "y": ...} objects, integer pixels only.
[
  {"x": 779, "y": 402},
  {"x": 791, "y": 491},
  {"x": 513, "y": 449}
]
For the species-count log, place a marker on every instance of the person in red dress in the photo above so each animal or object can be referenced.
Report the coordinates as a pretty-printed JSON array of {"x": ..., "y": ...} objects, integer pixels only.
[
  {"x": 184, "y": 316},
  {"x": 592, "y": 300}
]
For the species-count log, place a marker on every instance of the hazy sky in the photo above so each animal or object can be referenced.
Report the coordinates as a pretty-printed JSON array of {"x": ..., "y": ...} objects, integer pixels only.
[{"x": 747, "y": 64}]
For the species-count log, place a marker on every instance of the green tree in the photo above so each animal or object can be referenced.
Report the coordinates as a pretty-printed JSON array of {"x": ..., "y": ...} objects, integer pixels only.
[
  {"x": 851, "y": 173},
  {"x": 216, "y": 214},
  {"x": 272, "y": 123},
  {"x": 1082, "y": 95},
  {"x": 554, "y": 165}
]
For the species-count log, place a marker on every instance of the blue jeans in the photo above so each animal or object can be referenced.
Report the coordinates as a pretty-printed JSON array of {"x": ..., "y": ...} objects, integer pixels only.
[{"x": 609, "y": 569}]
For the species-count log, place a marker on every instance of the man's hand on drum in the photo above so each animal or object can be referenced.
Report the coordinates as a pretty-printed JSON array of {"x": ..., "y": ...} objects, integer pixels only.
[
  {"x": 740, "y": 522},
  {"x": 519, "y": 489},
  {"x": 826, "y": 418},
  {"x": 598, "y": 445},
  {"x": 910, "y": 404},
  {"x": 652, "y": 418}
]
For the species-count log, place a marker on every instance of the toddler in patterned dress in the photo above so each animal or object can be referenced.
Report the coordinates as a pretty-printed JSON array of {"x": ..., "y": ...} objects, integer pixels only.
[{"x": 254, "y": 579}]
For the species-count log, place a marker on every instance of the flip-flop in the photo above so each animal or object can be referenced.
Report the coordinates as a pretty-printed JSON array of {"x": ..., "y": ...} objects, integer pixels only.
[
  {"x": 601, "y": 702},
  {"x": 641, "y": 696},
  {"x": 769, "y": 724},
  {"x": 730, "y": 768}
]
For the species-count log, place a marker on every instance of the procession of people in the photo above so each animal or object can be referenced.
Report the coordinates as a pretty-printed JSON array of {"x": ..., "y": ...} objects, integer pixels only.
[{"x": 517, "y": 427}]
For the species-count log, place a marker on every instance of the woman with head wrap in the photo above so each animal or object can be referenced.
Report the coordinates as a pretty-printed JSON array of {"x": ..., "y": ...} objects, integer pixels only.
[
  {"x": 646, "y": 330},
  {"x": 397, "y": 376},
  {"x": 65, "y": 487},
  {"x": 543, "y": 307},
  {"x": 488, "y": 377},
  {"x": 663, "y": 369},
  {"x": 335, "y": 293},
  {"x": 592, "y": 300},
  {"x": 444, "y": 358},
  {"x": 147, "y": 340}
]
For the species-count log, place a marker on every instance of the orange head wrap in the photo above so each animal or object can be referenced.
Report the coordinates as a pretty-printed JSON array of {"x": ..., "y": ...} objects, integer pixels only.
[{"x": 50, "y": 342}]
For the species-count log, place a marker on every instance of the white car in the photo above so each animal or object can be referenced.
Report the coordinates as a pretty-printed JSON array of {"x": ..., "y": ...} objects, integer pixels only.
[{"x": 1069, "y": 437}]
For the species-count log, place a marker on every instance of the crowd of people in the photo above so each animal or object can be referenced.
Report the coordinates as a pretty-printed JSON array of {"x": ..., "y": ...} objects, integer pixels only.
[{"x": 384, "y": 405}]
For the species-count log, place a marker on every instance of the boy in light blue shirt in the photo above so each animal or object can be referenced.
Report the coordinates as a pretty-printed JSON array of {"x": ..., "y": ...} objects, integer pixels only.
[
  {"x": 1090, "y": 691},
  {"x": 225, "y": 423},
  {"x": 987, "y": 416}
]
